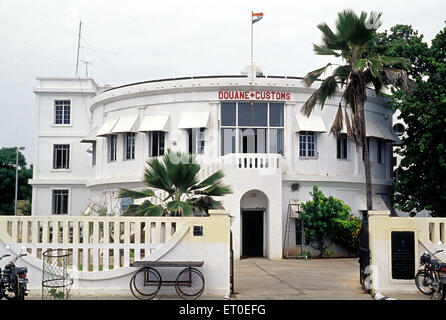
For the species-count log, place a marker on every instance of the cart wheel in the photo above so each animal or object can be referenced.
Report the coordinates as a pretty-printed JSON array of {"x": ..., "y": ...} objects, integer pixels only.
[
  {"x": 189, "y": 283},
  {"x": 145, "y": 283}
]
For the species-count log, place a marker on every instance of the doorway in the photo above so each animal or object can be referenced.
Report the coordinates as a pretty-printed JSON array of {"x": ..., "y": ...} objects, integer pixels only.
[{"x": 252, "y": 233}]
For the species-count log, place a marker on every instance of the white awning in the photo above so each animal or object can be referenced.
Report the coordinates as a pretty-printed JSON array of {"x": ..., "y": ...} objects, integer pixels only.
[
  {"x": 154, "y": 123},
  {"x": 193, "y": 120},
  {"x": 91, "y": 136},
  {"x": 377, "y": 130},
  {"x": 106, "y": 128},
  {"x": 378, "y": 202},
  {"x": 312, "y": 123},
  {"x": 125, "y": 124}
]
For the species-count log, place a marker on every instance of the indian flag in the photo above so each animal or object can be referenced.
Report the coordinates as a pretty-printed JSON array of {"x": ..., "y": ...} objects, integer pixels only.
[{"x": 256, "y": 16}]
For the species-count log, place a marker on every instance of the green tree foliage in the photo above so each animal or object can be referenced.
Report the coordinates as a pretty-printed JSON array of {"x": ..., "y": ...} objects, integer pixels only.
[
  {"x": 421, "y": 180},
  {"x": 329, "y": 219},
  {"x": 410, "y": 46},
  {"x": 364, "y": 63},
  {"x": 176, "y": 174},
  {"x": 7, "y": 180}
]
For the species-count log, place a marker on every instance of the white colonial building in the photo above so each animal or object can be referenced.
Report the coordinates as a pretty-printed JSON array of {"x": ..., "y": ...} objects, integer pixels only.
[{"x": 93, "y": 140}]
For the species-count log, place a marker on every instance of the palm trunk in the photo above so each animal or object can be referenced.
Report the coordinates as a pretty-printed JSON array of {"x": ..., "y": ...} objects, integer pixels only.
[{"x": 365, "y": 147}]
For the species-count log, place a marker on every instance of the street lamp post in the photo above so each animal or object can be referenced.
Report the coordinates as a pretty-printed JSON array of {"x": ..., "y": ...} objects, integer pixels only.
[{"x": 17, "y": 176}]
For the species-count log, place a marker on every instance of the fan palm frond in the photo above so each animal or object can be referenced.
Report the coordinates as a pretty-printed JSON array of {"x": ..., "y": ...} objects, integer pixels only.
[{"x": 176, "y": 173}]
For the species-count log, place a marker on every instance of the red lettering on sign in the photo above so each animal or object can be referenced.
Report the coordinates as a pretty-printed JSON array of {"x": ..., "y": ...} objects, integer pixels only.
[{"x": 254, "y": 95}]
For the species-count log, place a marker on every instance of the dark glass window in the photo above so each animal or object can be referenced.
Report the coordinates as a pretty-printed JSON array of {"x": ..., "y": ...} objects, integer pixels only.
[
  {"x": 244, "y": 114},
  {"x": 93, "y": 153},
  {"x": 112, "y": 146},
  {"x": 379, "y": 150},
  {"x": 299, "y": 232},
  {"x": 60, "y": 202},
  {"x": 61, "y": 156},
  {"x": 196, "y": 140},
  {"x": 342, "y": 146},
  {"x": 156, "y": 143},
  {"x": 260, "y": 114},
  {"x": 228, "y": 114},
  {"x": 276, "y": 114}
]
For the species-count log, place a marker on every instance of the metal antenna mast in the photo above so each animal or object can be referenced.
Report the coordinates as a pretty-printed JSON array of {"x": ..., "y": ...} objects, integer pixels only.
[
  {"x": 78, "y": 47},
  {"x": 86, "y": 67}
]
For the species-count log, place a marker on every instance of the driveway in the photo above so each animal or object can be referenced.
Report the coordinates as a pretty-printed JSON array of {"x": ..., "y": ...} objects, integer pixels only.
[
  {"x": 313, "y": 279},
  {"x": 263, "y": 279}
]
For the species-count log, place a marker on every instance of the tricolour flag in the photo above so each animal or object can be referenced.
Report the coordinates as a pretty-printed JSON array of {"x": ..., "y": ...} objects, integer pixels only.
[{"x": 256, "y": 16}]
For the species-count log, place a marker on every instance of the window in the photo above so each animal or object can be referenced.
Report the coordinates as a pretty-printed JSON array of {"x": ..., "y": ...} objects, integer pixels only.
[
  {"x": 196, "y": 140},
  {"x": 300, "y": 235},
  {"x": 112, "y": 145},
  {"x": 62, "y": 111},
  {"x": 227, "y": 141},
  {"x": 276, "y": 141},
  {"x": 252, "y": 127},
  {"x": 125, "y": 202},
  {"x": 276, "y": 114},
  {"x": 93, "y": 153},
  {"x": 380, "y": 150},
  {"x": 60, "y": 202},
  {"x": 342, "y": 146},
  {"x": 228, "y": 113},
  {"x": 307, "y": 144},
  {"x": 61, "y": 156},
  {"x": 200, "y": 141},
  {"x": 156, "y": 143},
  {"x": 252, "y": 140},
  {"x": 129, "y": 143},
  {"x": 252, "y": 114}
]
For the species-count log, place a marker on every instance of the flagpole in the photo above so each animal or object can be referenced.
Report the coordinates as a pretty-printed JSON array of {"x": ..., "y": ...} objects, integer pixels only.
[{"x": 252, "y": 45}]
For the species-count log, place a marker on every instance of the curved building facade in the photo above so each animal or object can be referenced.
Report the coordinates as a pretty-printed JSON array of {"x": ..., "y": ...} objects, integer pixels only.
[{"x": 271, "y": 154}]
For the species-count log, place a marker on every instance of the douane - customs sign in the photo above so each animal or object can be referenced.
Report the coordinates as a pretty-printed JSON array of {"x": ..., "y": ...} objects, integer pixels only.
[{"x": 254, "y": 95}]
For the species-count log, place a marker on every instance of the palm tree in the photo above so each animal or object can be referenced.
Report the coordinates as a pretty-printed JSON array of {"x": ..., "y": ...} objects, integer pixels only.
[
  {"x": 176, "y": 174},
  {"x": 364, "y": 63}
]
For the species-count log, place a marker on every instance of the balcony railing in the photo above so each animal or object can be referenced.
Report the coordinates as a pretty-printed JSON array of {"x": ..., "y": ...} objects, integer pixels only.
[{"x": 264, "y": 163}]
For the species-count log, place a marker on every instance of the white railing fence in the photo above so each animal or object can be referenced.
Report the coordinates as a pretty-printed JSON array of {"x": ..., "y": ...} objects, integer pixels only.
[
  {"x": 97, "y": 243},
  {"x": 103, "y": 248}
]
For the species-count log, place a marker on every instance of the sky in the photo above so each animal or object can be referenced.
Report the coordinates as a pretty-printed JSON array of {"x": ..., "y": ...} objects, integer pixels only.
[{"x": 130, "y": 41}]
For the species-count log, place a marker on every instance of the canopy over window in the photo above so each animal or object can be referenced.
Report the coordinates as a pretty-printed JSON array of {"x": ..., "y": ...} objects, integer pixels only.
[
  {"x": 125, "y": 124},
  {"x": 91, "y": 136},
  {"x": 107, "y": 127},
  {"x": 377, "y": 130},
  {"x": 154, "y": 123},
  {"x": 193, "y": 120},
  {"x": 312, "y": 123}
]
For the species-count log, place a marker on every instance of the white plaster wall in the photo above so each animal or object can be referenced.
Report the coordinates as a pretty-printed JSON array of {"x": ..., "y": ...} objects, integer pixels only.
[
  {"x": 78, "y": 200},
  {"x": 269, "y": 185}
]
